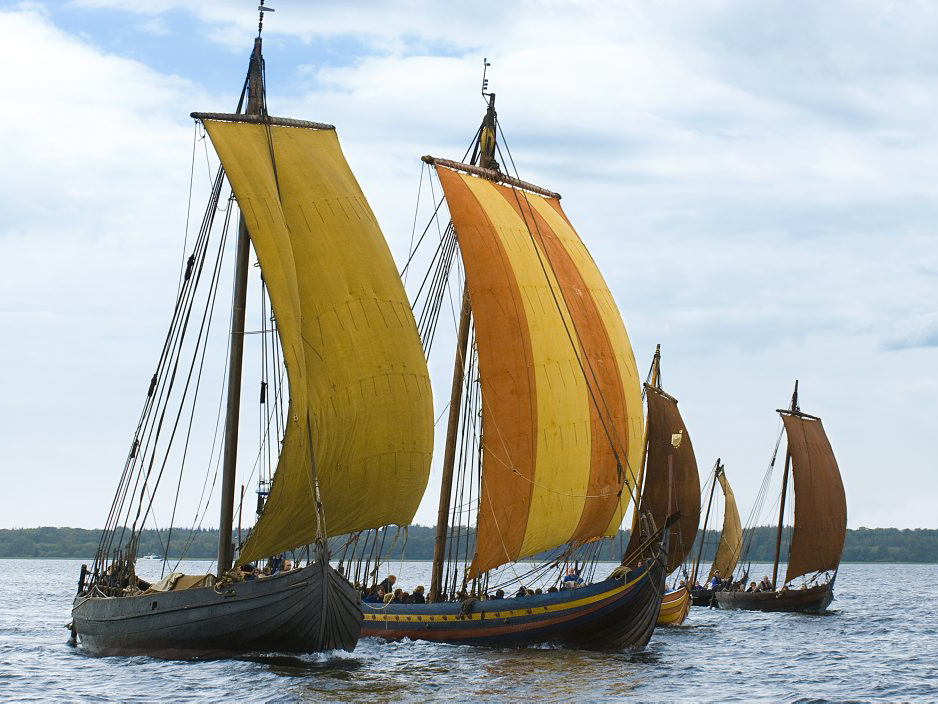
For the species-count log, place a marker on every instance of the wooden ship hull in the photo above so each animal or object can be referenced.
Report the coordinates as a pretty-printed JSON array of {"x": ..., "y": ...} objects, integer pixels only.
[
  {"x": 609, "y": 615},
  {"x": 302, "y": 611},
  {"x": 674, "y": 607},
  {"x": 813, "y": 600},
  {"x": 701, "y": 597}
]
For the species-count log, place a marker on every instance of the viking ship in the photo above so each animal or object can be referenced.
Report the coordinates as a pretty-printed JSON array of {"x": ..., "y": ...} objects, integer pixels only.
[
  {"x": 668, "y": 482},
  {"x": 729, "y": 545},
  {"x": 359, "y": 407},
  {"x": 543, "y": 435},
  {"x": 820, "y": 523}
]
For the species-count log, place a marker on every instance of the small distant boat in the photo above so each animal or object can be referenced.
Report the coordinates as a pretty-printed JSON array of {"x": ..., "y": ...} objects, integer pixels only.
[
  {"x": 820, "y": 525},
  {"x": 731, "y": 538},
  {"x": 668, "y": 483},
  {"x": 151, "y": 556}
]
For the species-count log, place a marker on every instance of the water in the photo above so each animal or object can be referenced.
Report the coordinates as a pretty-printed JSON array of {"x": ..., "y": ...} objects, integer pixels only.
[{"x": 880, "y": 643}]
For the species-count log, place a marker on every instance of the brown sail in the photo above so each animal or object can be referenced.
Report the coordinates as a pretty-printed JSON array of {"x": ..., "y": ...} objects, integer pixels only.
[
  {"x": 668, "y": 489},
  {"x": 820, "y": 501}
]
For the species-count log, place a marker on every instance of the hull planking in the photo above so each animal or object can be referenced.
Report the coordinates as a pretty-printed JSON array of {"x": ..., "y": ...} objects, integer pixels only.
[
  {"x": 305, "y": 610},
  {"x": 612, "y": 614},
  {"x": 701, "y": 597},
  {"x": 674, "y": 607},
  {"x": 813, "y": 600}
]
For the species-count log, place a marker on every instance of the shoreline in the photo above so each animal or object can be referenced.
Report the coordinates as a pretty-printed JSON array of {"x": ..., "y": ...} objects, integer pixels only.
[{"x": 428, "y": 561}]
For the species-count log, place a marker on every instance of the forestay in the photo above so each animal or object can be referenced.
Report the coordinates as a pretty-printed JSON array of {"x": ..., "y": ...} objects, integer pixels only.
[
  {"x": 561, "y": 401},
  {"x": 360, "y": 401},
  {"x": 820, "y": 501}
]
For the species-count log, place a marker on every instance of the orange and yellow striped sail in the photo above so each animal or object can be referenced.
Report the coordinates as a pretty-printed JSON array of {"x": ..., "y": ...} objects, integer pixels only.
[{"x": 561, "y": 401}]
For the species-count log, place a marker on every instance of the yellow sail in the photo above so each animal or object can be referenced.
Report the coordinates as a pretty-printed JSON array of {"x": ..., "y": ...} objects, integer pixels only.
[
  {"x": 561, "y": 402},
  {"x": 360, "y": 402},
  {"x": 731, "y": 538}
]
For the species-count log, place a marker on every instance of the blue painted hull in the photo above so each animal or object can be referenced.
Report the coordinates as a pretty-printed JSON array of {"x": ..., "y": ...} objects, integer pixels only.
[{"x": 613, "y": 614}]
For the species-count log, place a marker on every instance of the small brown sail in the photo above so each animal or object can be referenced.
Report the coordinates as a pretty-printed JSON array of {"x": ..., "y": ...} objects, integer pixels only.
[
  {"x": 731, "y": 538},
  {"x": 669, "y": 489},
  {"x": 820, "y": 501}
]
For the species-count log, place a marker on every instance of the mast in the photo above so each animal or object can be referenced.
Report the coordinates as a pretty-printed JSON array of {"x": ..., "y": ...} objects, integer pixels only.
[
  {"x": 781, "y": 508},
  {"x": 236, "y": 354},
  {"x": 485, "y": 152},
  {"x": 703, "y": 537}
]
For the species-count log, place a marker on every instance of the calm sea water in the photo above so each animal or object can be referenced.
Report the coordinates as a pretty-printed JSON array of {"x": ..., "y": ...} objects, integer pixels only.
[{"x": 879, "y": 643}]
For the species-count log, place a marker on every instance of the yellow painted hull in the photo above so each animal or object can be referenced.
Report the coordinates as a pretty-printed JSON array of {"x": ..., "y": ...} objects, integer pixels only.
[{"x": 674, "y": 607}]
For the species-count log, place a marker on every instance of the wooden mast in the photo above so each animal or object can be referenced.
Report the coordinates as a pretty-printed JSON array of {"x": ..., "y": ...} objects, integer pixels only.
[
  {"x": 485, "y": 152},
  {"x": 781, "y": 508},
  {"x": 703, "y": 537},
  {"x": 236, "y": 354}
]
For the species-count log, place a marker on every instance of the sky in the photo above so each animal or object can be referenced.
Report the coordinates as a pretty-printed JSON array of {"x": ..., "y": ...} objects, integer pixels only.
[{"x": 758, "y": 182}]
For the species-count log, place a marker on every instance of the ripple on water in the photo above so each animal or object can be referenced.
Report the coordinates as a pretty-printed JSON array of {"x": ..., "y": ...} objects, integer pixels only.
[{"x": 875, "y": 645}]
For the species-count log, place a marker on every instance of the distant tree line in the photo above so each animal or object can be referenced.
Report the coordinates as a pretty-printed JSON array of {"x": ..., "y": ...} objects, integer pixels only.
[{"x": 862, "y": 544}]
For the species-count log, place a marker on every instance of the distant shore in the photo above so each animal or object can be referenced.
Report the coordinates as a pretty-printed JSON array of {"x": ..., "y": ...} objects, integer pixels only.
[{"x": 862, "y": 545}]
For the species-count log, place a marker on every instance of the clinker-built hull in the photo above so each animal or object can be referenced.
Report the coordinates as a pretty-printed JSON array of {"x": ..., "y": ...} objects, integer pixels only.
[
  {"x": 305, "y": 610},
  {"x": 674, "y": 607},
  {"x": 701, "y": 597},
  {"x": 813, "y": 600},
  {"x": 613, "y": 614}
]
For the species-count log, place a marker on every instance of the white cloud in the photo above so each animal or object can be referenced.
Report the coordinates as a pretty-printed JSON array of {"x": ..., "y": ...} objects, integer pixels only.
[
  {"x": 757, "y": 183},
  {"x": 93, "y": 192}
]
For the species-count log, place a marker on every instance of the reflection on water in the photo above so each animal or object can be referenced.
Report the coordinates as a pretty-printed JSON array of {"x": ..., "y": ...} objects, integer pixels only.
[
  {"x": 878, "y": 644},
  {"x": 299, "y": 666}
]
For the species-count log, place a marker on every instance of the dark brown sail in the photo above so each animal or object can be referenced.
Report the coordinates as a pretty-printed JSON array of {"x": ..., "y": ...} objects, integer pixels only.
[
  {"x": 820, "y": 502},
  {"x": 680, "y": 480}
]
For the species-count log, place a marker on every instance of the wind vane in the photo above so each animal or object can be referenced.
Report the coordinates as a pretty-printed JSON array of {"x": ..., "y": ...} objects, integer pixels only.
[
  {"x": 485, "y": 81},
  {"x": 260, "y": 20}
]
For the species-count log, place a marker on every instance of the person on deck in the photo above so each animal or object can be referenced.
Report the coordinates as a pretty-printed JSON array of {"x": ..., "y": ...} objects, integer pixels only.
[
  {"x": 752, "y": 587},
  {"x": 387, "y": 583},
  {"x": 376, "y": 597},
  {"x": 499, "y": 594},
  {"x": 571, "y": 580},
  {"x": 716, "y": 582},
  {"x": 521, "y": 591},
  {"x": 417, "y": 597}
]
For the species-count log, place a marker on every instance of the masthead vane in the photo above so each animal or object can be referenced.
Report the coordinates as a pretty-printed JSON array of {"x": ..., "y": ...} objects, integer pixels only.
[
  {"x": 485, "y": 80},
  {"x": 260, "y": 19}
]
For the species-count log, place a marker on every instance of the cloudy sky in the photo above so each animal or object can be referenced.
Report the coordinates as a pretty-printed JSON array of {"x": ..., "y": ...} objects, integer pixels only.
[{"x": 757, "y": 181}]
